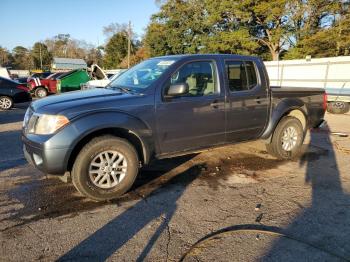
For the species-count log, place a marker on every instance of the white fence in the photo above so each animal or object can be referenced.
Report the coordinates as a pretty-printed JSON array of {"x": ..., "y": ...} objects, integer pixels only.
[{"x": 331, "y": 73}]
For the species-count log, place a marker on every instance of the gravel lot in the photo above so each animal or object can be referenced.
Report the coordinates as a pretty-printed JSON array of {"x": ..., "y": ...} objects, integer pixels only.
[{"x": 243, "y": 204}]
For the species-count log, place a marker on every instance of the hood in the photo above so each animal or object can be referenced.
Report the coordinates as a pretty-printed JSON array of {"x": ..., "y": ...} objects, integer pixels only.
[{"x": 72, "y": 103}]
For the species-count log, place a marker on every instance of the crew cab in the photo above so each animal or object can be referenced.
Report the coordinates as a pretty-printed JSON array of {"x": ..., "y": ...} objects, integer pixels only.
[{"x": 160, "y": 108}]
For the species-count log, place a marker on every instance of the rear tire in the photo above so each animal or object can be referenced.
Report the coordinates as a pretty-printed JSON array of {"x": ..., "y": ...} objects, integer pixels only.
[
  {"x": 6, "y": 102},
  {"x": 96, "y": 172},
  {"x": 287, "y": 139},
  {"x": 338, "y": 107},
  {"x": 40, "y": 92}
]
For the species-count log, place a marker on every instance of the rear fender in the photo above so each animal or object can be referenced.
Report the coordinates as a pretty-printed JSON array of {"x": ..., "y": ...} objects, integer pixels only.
[{"x": 293, "y": 107}]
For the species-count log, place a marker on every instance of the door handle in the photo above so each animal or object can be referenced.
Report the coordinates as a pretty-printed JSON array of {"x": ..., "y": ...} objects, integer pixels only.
[
  {"x": 258, "y": 100},
  {"x": 215, "y": 104}
]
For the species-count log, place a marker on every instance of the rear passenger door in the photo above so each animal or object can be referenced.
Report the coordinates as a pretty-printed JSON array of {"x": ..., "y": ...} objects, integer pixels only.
[
  {"x": 197, "y": 118},
  {"x": 248, "y": 100}
]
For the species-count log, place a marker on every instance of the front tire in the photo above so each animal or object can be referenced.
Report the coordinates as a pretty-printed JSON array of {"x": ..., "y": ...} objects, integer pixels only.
[
  {"x": 338, "y": 107},
  {"x": 287, "y": 139},
  {"x": 105, "y": 168},
  {"x": 6, "y": 102},
  {"x": 40, "y": 92}
]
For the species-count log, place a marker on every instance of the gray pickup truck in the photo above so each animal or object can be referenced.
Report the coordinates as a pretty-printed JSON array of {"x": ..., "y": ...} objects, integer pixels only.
[{"x": 164, "y": 107}]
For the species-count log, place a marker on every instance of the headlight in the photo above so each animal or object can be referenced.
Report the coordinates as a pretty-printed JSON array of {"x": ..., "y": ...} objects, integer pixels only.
[{"x": 46, "y": 124}]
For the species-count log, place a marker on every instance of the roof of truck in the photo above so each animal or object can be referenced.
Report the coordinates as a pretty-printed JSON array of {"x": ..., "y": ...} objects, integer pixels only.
[{"x": 208, "y": 55}]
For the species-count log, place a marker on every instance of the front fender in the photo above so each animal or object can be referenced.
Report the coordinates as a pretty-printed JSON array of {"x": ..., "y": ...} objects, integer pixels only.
[
  {"x": 82, "y": 126},
  {"x": 282, "y": 109}
]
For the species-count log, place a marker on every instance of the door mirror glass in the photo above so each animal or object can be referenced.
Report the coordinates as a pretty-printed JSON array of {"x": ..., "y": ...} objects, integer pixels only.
[{"x": 178, "y": 90}]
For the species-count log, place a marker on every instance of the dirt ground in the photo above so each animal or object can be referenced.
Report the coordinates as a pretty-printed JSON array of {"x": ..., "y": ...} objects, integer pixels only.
[{"x": 235, "y": 203}]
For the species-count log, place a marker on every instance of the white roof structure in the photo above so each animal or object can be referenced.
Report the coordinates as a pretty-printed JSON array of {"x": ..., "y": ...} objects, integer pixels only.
[{"x": 68, "y": 63}]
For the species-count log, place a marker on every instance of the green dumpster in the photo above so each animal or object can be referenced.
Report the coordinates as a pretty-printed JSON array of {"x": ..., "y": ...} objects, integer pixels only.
[{"x": 72, "y": 80}]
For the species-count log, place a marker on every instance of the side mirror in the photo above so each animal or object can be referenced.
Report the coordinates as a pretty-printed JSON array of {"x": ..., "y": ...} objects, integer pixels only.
[{"x": 177, "y": 90}]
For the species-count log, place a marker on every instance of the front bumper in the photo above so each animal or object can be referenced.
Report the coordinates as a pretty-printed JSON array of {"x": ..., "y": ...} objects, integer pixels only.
[{"x": 48, "y": 160}]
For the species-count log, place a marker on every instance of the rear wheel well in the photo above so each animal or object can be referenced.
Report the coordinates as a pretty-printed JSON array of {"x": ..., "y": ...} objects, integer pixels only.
[
  {"x": 118, "y": 132},
  {"x": 298, "y": 114}
]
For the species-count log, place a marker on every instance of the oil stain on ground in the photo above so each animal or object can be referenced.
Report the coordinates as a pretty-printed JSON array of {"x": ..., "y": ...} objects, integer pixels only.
[{"x": 248, "y": 167}]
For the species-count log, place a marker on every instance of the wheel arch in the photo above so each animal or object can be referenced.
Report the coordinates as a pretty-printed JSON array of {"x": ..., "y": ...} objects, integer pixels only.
[
  {"x": 294, "y": 108},
  {"x": 129, "y": 135}
]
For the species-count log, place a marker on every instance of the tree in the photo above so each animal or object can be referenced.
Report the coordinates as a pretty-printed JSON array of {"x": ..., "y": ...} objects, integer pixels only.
[
  {"x": 116, "y": 49},
  {"x": 227, "y": 26},
  {"x": 326, "y": 32},
  {"x": 21, "y": 58},
  {"x": 114, "y": 28},
  {"x": 41, "y": 56},
  {"x": 6, "y": 59},
  {"x": 140, "y": 55},
  {"x": 178, "y": 28}
]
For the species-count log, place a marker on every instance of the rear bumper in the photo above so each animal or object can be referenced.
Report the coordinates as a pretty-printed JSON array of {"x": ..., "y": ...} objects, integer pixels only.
[{"x": 50, "y": 161}]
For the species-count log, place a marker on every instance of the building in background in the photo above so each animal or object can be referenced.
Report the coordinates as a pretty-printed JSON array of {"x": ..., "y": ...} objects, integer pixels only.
[{"x": 64, "y": 64}]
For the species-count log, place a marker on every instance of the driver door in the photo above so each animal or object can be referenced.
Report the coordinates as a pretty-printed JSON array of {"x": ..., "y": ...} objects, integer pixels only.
[{"x": 195, "y": 119}]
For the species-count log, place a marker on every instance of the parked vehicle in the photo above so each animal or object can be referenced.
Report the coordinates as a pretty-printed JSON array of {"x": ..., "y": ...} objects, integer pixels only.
[
  {"x": 103, "y": 81},
  {"x": 12, "y": 92},
  {"x": 63, "y": 82},
  {"x": 164, "y": 107},
  {"x": 41, "y": 75},
  {"x": 21, "y": 80},
  {"x": 4, "y": 72},
  {"x": 331, "y": 73},
  {"x": 59, "y": 83}
]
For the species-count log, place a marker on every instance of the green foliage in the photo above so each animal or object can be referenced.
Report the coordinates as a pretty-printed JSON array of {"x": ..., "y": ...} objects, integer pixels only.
[
  {"x": 21, "y": 58},
  {"x": 326, "y": 33},
  {"x": 116, "y": 50},
  {"x": 267, "y": 28},
  {"x": 41, "y": 56},
  {"x": 6, "y": 59}
]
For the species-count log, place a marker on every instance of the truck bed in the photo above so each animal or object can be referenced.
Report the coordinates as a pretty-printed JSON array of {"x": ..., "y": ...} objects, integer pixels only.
[{"x": 313, "y": 98}]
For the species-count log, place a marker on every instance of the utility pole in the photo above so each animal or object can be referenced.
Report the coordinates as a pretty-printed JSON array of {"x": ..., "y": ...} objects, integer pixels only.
[
  {"x": 41, "y": 59},
  {"x": 129, "y": 43}
]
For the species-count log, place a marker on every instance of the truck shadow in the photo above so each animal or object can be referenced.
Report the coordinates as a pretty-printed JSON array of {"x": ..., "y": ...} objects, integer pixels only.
[
  {"x": 325, "y": 223},
  {"x": 105, "y": 241},
  {"x": 44, "y": 198}
]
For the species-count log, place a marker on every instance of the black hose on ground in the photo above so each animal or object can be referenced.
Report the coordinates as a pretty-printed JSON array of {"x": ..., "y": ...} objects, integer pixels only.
[{"x": 275, "y": 231}]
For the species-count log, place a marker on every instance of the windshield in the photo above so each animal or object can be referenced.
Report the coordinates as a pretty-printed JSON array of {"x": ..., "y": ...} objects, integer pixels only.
[{"x": 142, "y": 75}]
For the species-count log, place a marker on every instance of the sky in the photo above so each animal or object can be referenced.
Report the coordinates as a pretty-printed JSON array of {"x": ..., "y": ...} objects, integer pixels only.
[{"x": 24, "y": 22}]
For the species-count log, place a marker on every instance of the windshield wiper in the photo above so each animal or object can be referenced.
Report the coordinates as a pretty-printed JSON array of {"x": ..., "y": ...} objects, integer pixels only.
[
  {"x": 121, "y": 88},
  {"x": 125, "y": 89}
]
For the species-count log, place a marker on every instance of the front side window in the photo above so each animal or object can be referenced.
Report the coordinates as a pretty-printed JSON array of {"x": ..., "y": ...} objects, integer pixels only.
[
  {"x": 241, "y": 75},
  {"x": 199, "y": 76}
]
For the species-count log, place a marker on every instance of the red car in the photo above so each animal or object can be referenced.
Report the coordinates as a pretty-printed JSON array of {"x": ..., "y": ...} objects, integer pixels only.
[{"x": 41, "y": 87}]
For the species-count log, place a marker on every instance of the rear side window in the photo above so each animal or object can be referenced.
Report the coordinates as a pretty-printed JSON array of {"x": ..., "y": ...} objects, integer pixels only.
[{"x": 241, "y": 75}]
